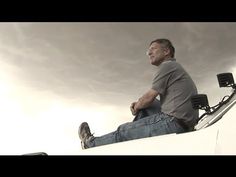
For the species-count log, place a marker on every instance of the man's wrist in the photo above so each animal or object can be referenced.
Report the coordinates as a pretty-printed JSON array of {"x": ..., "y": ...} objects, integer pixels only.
[{"x": 136, "y": 109}]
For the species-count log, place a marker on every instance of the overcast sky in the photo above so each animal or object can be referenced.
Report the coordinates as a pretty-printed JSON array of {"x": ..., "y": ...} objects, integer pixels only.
[{"x": 53, "y": 76}]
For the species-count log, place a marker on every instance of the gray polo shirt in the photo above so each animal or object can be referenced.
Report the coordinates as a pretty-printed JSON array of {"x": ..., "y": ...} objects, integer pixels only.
[{"x": 175, "y": 87}]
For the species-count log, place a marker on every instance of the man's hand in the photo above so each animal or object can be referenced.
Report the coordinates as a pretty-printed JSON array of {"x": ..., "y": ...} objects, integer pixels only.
[
  {"x": 133, "y": 111},
  {"x": 143, "y": 102}
]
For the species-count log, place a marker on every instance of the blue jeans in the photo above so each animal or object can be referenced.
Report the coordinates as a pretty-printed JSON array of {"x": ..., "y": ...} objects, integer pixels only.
[{"x": 152, "y": 125}]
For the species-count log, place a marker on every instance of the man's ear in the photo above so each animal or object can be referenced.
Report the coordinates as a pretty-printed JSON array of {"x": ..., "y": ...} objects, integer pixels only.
[{"x": 166, "y": 51}]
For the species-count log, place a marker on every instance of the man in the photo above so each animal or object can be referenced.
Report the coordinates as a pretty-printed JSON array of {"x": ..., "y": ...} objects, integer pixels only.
[{"x": 176, "y": 115}]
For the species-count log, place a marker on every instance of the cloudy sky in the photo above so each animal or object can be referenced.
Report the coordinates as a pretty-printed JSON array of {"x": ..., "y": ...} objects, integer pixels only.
[{"x": 53, "y": 76}]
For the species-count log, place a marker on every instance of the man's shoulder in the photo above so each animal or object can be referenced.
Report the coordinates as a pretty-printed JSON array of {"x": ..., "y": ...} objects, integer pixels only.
[{"x": 166, "y": 65}]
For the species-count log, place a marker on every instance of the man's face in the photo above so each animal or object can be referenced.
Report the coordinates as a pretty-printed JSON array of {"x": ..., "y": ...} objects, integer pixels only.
[{"x": 157, "y": 53}]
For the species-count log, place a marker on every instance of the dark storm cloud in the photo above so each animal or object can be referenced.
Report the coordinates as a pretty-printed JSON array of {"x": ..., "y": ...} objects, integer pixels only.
[{"x": 106, "y": 62}]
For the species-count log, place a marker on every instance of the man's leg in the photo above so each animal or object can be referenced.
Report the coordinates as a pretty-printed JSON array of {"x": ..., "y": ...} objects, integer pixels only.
[
  {"x": 157, "y": 124},
  {"x": 154, "y": 108}
]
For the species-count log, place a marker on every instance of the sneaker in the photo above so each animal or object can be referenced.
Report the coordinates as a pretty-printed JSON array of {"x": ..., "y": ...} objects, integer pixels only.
[{"x": 84, "y": 134}]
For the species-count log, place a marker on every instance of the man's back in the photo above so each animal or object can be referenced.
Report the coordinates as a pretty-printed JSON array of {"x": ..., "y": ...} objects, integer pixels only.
[{"x": 176, "y": 88}]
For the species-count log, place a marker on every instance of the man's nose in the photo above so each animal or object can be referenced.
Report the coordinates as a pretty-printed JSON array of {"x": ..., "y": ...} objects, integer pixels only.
[{"x": 148, "y": 53}]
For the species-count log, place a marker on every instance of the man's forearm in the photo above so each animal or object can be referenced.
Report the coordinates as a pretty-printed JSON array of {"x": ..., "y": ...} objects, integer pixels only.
[{"x": 143, "y": 102}]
